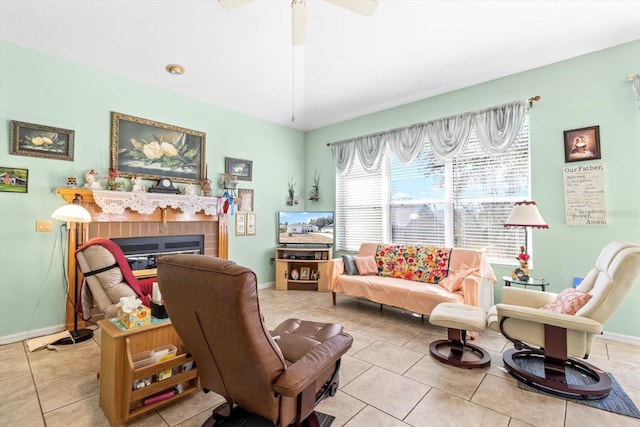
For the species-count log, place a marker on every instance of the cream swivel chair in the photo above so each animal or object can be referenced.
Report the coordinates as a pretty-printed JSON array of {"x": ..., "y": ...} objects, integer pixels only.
[{"x": 551, "y": 338}]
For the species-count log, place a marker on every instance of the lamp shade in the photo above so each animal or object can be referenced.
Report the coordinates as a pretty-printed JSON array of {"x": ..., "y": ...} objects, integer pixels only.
[
  {"x": 525, "y": 214},
  {"x": 72, "y": 213}
]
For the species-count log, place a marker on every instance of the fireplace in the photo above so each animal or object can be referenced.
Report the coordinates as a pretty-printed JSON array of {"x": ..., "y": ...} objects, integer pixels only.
[
  {"x": 163, "y": 222},
  {"x": 142, "y": 252}
]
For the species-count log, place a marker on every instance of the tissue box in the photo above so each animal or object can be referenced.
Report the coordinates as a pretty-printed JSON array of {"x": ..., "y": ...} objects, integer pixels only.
[{"x": 139, "y": 317}]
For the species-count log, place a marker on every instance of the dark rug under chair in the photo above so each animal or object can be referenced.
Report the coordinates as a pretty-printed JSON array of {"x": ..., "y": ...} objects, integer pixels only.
[{"x": 617, "y": 401}]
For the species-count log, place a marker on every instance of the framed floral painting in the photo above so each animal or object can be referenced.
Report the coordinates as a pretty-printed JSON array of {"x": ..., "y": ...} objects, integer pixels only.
[
  {"x": 32, "y": 140},
  {"x": 154, "y": 150}
]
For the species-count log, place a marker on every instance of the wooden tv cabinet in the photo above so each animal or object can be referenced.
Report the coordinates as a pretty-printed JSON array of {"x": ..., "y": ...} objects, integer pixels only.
[
  {"x": 311, "y": 260},
  {"x": 118, "y": 400}
]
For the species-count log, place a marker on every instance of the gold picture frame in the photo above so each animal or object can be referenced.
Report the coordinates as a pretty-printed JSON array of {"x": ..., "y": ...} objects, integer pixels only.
[
  {"x": 251, "y": 224},
  {"x": 155, "y": 150},
  {"x": 304, "y": 273},
  {"x": 241, "y": 224}
]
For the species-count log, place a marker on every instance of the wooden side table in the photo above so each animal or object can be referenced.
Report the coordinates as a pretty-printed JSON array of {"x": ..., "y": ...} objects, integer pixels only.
[
  {"x": 542, "y": 283},
  {"x": 118, "y": 400}
]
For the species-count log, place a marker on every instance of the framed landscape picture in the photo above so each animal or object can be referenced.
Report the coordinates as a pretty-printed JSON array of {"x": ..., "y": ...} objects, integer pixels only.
[
  {"x": 32, "y": 140},
  {"x": 154, "y": 150},
  {"x": 14, "y": 180}
]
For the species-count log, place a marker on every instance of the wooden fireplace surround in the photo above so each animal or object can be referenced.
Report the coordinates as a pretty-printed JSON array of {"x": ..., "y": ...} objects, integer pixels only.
[{"x": 161, "y": 222}]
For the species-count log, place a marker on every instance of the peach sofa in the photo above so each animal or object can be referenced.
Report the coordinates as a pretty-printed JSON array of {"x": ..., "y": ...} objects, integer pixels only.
[{"x": 416, "y": 296}]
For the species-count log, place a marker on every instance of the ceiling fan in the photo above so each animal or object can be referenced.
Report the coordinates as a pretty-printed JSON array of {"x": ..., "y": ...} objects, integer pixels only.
[{"x": 299, "y": 13}]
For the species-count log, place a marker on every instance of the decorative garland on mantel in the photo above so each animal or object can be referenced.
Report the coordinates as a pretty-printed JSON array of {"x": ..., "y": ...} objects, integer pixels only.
[{"x": 116, "y": 202}]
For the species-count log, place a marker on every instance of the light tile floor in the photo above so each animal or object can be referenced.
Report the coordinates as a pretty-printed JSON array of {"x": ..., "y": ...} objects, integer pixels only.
[{"x": 387, "y": 378}]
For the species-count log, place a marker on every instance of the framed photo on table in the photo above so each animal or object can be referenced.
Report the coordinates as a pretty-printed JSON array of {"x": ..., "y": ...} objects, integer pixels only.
[{"x": 304, "y": 273}]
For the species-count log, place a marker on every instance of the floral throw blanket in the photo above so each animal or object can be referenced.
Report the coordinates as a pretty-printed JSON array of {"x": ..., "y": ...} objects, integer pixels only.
[{"x": 419, "y": 263}]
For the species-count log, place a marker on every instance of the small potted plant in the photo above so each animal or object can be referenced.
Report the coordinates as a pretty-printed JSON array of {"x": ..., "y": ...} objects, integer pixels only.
[
  {"x": 293, "y": 199},
  {"x": 315, "y": 188}
]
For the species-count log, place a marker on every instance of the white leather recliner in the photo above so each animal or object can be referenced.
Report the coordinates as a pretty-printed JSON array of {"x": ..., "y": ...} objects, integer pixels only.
[{"x": 550, "y": 338}]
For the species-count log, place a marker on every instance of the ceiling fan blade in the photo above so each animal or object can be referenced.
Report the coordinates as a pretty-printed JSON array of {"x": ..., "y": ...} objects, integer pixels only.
[
  {"x": 299, "y": 21},
  {"x": 363, "y": 7},
  {"x": 230, "y": 4}
]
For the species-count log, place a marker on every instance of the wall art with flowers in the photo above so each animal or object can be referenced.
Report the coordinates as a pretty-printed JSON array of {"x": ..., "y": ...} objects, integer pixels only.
[
  {"x": 28, "y": 139},
  {"x": 154, "y": 150}
]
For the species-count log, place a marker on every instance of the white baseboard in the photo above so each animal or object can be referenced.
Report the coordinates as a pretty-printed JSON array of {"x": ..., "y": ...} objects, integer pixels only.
[
  {"x": 8, "y": 339},
  {"x": 626, "y": 339},
  {"x": 266, "y": 285}
]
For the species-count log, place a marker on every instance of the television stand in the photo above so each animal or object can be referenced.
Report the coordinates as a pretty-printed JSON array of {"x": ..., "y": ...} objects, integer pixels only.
[{"x": 302, "y": 268}]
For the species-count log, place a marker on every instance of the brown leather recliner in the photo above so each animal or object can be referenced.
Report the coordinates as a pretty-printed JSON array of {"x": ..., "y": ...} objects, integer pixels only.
[{"x": 279, "y": 375}]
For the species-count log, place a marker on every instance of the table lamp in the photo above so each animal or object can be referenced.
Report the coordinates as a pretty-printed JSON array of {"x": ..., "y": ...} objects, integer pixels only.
[{"x": 525, "y": 214}]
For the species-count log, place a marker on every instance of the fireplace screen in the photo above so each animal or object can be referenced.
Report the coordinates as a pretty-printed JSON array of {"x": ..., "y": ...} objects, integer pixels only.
[{"x": 142, "y": 252}]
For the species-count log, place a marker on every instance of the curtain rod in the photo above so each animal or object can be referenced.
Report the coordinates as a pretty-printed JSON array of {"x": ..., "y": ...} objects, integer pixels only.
[{"x": 531, "y": 100}]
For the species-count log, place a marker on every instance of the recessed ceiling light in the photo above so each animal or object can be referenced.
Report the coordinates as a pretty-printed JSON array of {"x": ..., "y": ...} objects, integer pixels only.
[{"x": 175, "y": 69}]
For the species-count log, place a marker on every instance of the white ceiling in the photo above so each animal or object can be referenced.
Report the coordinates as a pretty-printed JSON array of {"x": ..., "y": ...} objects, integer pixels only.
[{"x": 242, "y": 59}]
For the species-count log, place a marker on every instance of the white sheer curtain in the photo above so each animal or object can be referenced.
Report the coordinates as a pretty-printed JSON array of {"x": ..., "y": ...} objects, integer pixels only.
[
  {"x": 496, "y": 127},
  {"x": 370, "y": 149},
  {"x": 343, "y": 153},
  {"x": 406, "y": 143},
  {"x": 635, "y": 87},
  {"x": 449, "y": 135}
]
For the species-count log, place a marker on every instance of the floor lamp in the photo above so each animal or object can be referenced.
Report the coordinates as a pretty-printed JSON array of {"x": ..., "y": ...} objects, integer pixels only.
[{"x": 75, "y": 214}]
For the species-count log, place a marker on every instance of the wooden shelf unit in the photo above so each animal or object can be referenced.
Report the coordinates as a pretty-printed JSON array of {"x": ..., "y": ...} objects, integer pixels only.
[
  {"x": 118, "y": 400},
  {"x": 294, "y": 258}
]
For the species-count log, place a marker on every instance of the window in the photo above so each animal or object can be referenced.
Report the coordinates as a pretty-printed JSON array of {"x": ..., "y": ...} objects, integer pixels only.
[{"x": 459, "y": 203}]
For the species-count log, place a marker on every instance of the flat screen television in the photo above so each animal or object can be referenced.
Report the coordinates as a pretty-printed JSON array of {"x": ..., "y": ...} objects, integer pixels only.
[{"x": 311, "y": 228}]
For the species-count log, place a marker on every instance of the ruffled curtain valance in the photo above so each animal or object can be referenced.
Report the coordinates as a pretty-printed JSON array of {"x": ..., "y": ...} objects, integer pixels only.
[
  {"x": 635, "y": 87},
  {"x": 496, "y": 128}
]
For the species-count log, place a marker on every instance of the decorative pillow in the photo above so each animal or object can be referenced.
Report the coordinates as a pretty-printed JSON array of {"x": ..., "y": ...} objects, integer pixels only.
[
  {"x": 366, "y": 265},
  {"x": 419, "y": 263},
  {"x": 568, "y": 301},
  {"x": 453, "y": 282},
  {"x": 350, "y": 265}
]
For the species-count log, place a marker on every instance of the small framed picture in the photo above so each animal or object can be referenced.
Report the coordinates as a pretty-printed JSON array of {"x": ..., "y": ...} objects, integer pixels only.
[
  {"x": 304, "y": 273},
  {"x": 41, "y": 141},
  {"x": 251, "y": 224},
  {"x": 582, "y": 144},
  {"x": 14, "y": 180},
  {"x": 242, "y": 169},
  {"x": 241, "y": 225},
  {"x": 315, "y": 275},
  {"x": 318, "y": 255},
  {"x": 245, "y": 200}
]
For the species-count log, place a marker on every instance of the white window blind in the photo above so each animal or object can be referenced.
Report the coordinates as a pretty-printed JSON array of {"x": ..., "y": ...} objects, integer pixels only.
[
  {"x": 361, "y": 199},
  {"x": 460, "y": 203}
]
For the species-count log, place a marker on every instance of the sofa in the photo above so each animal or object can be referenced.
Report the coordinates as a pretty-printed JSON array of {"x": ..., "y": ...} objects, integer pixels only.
[{"x": 413, "y": 277}]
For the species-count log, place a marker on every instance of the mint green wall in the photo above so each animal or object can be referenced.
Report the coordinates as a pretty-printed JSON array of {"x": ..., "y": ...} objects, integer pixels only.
[
  {"x": 37, "y": 88},
  {"x": 589, "y": 90}
]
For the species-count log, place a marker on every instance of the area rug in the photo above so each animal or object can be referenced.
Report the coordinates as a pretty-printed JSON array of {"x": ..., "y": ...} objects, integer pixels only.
[
  {"x": 242, "y": 418},
  {"x": 618, "y": 401}
]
